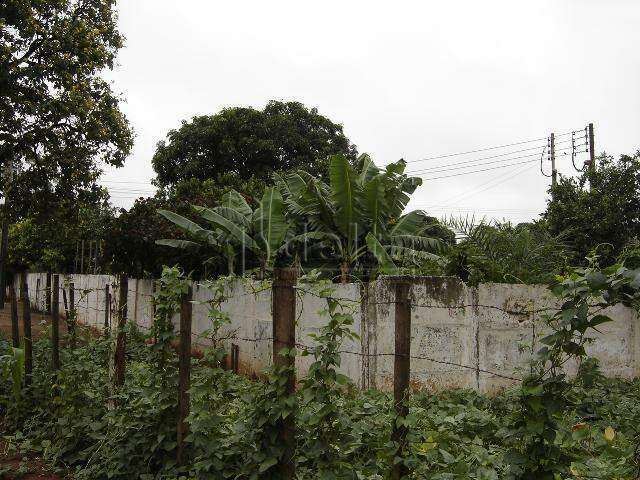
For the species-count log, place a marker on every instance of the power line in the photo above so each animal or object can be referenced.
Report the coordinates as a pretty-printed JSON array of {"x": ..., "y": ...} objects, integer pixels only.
[
  {"x": 460, "y": 166},
  {"x": 482, "y": 170},
  {"x": 492, "y": 156},
  {"x": 494, "y": 182},
  {"x": 441, "y": 170},
  {"x": 478, "y": 150}
]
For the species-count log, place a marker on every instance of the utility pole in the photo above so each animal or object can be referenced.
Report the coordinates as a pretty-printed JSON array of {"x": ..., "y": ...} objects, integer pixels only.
[
  {"x": 552, "y": 150},
  {"x": 592, "y": 149}
]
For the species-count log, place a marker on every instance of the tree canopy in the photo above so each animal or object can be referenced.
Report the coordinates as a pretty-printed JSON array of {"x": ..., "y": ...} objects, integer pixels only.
[
  {"x": 59, "y": 120},
  {"x": 249, "y": 142},
  {"x": 598, "y": 208}
]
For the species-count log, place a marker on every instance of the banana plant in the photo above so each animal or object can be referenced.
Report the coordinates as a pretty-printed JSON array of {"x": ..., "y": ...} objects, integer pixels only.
[
  {"x": 359, "y": 212},
  {"x": 237, "y": 226},
  {"x": 13, "y": 370}
]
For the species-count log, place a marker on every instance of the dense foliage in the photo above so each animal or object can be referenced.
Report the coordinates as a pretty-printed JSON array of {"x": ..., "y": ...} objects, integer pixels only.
[
  {"x": 453, "y": 435},
  {"x": 505, "y": 253},
  {"x": 284, "y": 136},
  {"x": 598, "y": 208},
  {"x": 356, "y": 221},
  {"x": 550, "y": 427},
  {"x": 58, "y": 118}
]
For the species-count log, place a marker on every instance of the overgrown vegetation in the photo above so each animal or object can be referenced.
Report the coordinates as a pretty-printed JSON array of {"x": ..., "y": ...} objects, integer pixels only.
[
  {"x": 550, "y": 427},
  {"x": 453, "y": 435}
]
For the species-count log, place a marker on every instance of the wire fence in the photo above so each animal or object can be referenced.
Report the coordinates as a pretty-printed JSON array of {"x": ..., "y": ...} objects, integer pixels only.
[{"x": 109, "y": 305}]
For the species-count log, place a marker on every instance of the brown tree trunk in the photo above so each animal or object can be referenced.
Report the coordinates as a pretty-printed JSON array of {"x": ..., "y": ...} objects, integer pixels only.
[{"x": 344, "y": 272}]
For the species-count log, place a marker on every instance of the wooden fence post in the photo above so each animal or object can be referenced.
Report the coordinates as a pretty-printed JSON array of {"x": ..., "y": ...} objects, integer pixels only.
[
  {"x": 65, "y": 302},
  {"x": 401, "y": 372},
  {"x": 15, "y": 330},
  {"x": 73, "y": 313},
  {"x": 47, "y": 298},
  {"x": 26, "y": 328},
  {"x": 119, "y": 356},
  {"x": 55, "y": 323},
  {"x": 184, "y": 378},
  {"x": 107, "y": 308},
  {"x": 284, "y": 336}
]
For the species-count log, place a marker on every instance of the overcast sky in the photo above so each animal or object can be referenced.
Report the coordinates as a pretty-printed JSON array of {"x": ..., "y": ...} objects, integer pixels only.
[{"x": 407, "y": 80}]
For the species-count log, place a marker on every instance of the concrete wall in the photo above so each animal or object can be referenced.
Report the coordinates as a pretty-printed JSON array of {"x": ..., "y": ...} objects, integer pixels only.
[{"x": 470, "y": 337}]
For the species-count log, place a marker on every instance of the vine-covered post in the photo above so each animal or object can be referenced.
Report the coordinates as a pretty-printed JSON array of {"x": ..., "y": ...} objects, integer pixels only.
[
  {"x": 47, "y": 294},
  {"x": 55, "y": 323},
  {"x": 26, "y": 327},
  {"x": 15, "y": 331},
  {"x": 73, "y": 313},
  {"x": 119, "y": 355},
  {"x": 184, "y": 375},
  {"x": 284, "y": 342},
  {"x": 107, "y": 308},
  {"x": 401, "y": 372}
]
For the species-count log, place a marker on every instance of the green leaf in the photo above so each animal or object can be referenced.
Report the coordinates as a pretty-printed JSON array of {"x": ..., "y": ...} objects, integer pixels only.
[
  {"x": 184, "y": 223},
  {"x": 237, "y": 232},
  {"x": 447, "y": 457},
  {"x": 171, "y": 242},
  {"x": 384, "y": 260},
  {"x": 369, "y": 169},
  {"x": 372, "y": 205},
  {"x": 235, "y": 201},
  {"x": 599, "y": 320},
  {"x": 410, "y": 224},
  {"x": 345, "y": 192},
  {"x": 269, "y": 222}
]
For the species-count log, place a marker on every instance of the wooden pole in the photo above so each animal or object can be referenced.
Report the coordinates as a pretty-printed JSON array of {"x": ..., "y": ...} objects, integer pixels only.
[
  {"x": 401, "y": 372},
  {"x": 284, "y": 337},
  {"x": 184, "y": 378},
  {"x": 26, "y": 328},
  {"x": 89, "y": 257},
  {"x": 4, "y": 245},
  {"x": 107, "y": 308},
  {"x": 55, "y": 324},
  {"x": 82, "y": 257},
  {"x": 554, "y": 172},
  {"x": 66, "y": 304},
  {"x": 47, "y": 300},
  {"x": 119, "y": 355},
  {"x": 15, "y": 331},
  {"x": 73, "y": 318}
]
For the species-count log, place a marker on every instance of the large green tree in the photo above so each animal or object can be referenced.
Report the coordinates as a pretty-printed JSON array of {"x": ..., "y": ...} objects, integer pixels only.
[
  {"x": 598, "y": 208},
  {"x": 60, "y": 121},
  {"x": 250, "y": 143}
]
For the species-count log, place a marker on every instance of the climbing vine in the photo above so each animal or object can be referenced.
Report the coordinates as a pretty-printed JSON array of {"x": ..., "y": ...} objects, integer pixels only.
[{"x": 545, "y": 395}]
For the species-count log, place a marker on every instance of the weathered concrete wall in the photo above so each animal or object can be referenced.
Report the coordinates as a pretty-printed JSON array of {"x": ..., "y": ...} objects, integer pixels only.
[{"x": 461, "y": 336}]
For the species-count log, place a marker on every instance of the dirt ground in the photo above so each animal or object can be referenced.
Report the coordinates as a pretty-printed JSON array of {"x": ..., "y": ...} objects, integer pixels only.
[
  {"x": 14, "y": 466},
  {"x": 23, "y": 467},
  {"x": 39, "y": 322}
]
